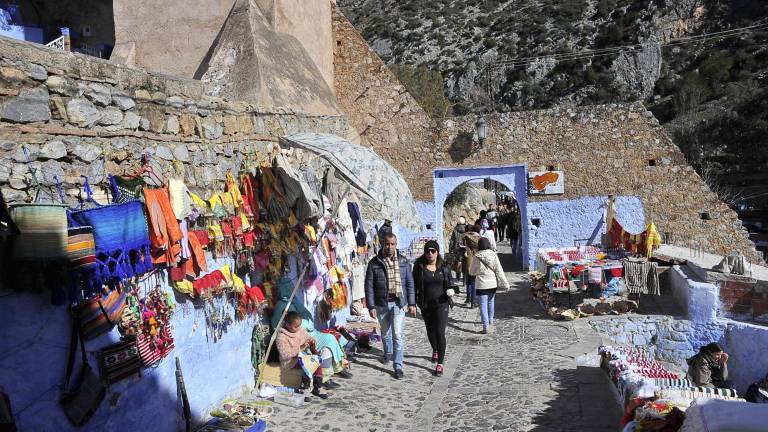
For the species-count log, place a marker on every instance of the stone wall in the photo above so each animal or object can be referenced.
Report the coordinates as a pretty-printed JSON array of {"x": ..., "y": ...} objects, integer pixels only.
[
  {"x": 742, "y": 299},
  {"x": 76, "y": 115},
  {"x": 379, "y": 107}
]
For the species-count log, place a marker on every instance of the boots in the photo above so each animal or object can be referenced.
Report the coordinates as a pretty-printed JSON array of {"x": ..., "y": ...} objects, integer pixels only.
[{"x": 317, "y": 382}]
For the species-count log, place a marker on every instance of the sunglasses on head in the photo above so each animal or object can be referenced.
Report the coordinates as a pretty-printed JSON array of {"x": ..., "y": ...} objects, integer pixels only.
[{"x": 431, "y": 250}]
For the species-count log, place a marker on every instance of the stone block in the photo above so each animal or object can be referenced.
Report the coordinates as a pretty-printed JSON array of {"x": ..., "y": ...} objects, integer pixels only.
[
  {"x": 99, "y": 94},
  {"x": 49, "y": 170},
  {"x": 82, "y": 112},
  {"x": 38, "y": 72},
  {"x": 172, "y": 125},
  {"x": 111, "y": 116},
  {"x": 53, "y": 150},
  {"x": 59, "y": 109},
  {"x": 87, "y": 152},
  {"x": 175, "y": 101},
  {"x": 245, "y": 124},
  {"x": 142, "y": 95},
  {"x": 131, "y": 121},
  {"x": 181, "y": 153},
  {"x": 12, "y": 76},
  {"x": 122, "y": 100},
  {"x": 32, "y": 105},
  {"x": 156, "y": 118},
  {"x": 187, "y": 124},
  {"x": 211, "y": 129},
  {"x": 159, "y": 98},
  {"x": 61, "y": 85},
  {"x": 26, "y": 153},
  {"x": 164, "y": 152},
  {"x": 231, "y": 125}
]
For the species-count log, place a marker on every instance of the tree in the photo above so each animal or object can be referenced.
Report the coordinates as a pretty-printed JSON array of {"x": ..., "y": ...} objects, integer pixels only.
[{"x": 426, "y": 86}]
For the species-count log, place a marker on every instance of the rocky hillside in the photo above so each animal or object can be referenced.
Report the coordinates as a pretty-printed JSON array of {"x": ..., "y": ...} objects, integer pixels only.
[{"x": 707, "y": 87}]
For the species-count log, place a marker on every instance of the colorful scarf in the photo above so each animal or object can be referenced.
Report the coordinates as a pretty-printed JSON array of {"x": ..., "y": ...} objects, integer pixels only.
[
  {"x": 164, "y": 230},
  {"x": 119, "y": 231}
]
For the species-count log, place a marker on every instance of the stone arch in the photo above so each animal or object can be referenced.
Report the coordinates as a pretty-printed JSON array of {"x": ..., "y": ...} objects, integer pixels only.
[{"x": 514, "y": 177}]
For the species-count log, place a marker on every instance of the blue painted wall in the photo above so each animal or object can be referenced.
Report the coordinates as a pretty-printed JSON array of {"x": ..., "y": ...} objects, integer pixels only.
[
  {"x": 34, "y": 341},
  {"x": 563, "y": 221},
  {"x": 514, "y": 177}
]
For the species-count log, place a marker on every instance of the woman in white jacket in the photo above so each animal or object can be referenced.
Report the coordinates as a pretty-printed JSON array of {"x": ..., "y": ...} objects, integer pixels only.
[{"x": 489, "y": 275}]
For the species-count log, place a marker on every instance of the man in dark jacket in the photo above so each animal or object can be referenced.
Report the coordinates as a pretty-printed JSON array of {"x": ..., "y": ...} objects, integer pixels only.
[{"x": 388, "y": 291}]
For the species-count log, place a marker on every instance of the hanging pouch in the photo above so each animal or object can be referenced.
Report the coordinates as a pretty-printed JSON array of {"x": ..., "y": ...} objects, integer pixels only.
[
  {"x": 82, "y": 399},
  {"x": 99, "y": 314}
]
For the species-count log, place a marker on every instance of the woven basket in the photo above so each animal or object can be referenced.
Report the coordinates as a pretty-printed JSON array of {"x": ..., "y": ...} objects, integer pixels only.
[{"x": 43, "y": 232}]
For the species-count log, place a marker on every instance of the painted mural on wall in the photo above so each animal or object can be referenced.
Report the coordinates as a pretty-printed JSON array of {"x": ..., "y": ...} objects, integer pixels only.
[{"x": 546, "y": 182}]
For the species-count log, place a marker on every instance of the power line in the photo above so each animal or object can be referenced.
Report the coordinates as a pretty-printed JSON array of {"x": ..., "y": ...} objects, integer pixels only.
[{"x": 520, "y": 61}]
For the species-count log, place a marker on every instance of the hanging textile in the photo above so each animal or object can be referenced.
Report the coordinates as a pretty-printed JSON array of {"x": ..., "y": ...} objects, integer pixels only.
[
  {"x": 164, "y": 230},
  {"x": 357, "y": 223},
  {"x": 124, "y": 190},
  {"x": 42, "y": 231},
  {"x": 119, "y": 231},
  {"x": 181, "y": 201},
  {"x": 641, "y": 277}
]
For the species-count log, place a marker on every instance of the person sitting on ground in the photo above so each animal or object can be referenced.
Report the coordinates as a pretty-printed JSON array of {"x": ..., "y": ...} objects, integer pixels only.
[
  {"x": 332, "y": 352},
  {"x": 709, "y": 367},
  {"x": 293, "y": 341}
]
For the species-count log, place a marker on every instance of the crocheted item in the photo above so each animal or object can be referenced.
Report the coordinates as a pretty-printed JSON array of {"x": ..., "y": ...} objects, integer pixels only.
[{"x": 121, "y": 237}]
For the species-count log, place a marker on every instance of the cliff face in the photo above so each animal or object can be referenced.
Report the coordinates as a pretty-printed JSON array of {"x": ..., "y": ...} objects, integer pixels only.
[{"x": 708, "y": 92}]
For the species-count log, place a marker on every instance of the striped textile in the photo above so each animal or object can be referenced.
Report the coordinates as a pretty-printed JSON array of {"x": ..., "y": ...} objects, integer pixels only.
[
  {"x": 120, "y": 361},
  {"x": 672, "y": 383},
  {"x": 43, "y": 230},
  {"x": 99, "y": 314},
  {"x": 81, "y": 248},
  {"x": 153, "y": 349}
]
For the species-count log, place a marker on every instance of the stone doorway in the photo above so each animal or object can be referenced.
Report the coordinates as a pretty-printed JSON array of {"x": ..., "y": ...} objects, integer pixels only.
[{"x": 514, "y": 177}]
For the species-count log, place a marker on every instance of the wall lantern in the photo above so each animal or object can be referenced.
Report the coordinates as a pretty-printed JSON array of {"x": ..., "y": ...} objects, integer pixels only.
[{"x": 481, "y": 129}]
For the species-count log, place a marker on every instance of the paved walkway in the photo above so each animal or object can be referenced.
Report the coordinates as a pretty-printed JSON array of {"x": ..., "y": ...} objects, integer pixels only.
[{"x": 523, "y": 377}]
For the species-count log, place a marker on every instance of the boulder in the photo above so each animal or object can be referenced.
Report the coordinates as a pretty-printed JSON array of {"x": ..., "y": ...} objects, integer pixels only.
[
  {"x": 32, "y": 105},
  {"x": 111, "y": 116},
  {"x": 53, "y": 150},
  {"x": 82, "y": 112},
  {"x": 99, "y": 94}
]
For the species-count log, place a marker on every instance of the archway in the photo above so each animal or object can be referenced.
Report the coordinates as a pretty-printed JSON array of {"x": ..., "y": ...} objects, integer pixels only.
[{"x": 514, "y": 177}]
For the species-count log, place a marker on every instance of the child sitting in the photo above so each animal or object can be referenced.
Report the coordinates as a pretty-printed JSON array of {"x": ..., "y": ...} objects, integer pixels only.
[{"x": 293, "y": 341}]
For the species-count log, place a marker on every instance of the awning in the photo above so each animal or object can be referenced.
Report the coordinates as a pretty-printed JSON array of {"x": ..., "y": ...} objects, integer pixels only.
[{"x": 386, "y": 194}]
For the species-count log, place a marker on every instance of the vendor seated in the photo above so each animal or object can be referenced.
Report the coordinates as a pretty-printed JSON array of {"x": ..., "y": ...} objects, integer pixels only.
[
  {"x": 709, "y": 367},
  {"x": 292, "y": 342}
]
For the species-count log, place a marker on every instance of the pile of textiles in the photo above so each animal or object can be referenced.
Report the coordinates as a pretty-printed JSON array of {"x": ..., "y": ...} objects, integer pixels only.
[
  {"x": 633, "y": 371},
  {"x": 660, "y": 416}
]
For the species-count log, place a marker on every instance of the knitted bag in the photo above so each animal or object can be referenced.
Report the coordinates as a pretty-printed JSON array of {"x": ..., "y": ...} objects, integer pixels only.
[
  {"x": 99, "y": 314},
  {"x": 43, "y": 231},
  {"x": 122, "y": 240},
  {"x": 120, "y": 361}
]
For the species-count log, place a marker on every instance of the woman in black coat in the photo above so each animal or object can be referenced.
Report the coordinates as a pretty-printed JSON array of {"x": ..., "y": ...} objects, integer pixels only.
[{"x": 433, "y": 296}]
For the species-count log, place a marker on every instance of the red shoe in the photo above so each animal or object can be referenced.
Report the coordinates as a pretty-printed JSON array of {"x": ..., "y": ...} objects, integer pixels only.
[
  {"x": 439, "y": 370},
  {"x": 434, "y": 356}
]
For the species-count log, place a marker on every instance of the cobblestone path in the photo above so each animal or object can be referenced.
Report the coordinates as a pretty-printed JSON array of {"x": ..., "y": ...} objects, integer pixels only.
[{"x": 523, "y": 377}]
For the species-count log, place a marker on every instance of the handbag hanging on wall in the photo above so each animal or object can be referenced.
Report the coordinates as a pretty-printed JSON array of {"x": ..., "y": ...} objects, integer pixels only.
[
  {"x": 120, "y": 360},
  {"x": 99, "y": 314},
  {"x": 82, "y": 399}
]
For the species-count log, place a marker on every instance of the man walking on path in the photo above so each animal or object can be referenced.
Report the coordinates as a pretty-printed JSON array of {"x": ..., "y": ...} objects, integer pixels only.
[{"x": 389, "y": 290}]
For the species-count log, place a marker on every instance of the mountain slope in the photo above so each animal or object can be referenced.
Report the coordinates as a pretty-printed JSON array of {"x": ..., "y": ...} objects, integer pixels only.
[{"x": 709, "y": 92}]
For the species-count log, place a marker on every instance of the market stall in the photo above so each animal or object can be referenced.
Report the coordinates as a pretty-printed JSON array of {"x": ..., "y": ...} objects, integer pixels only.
[{"x": 652, "y": 396}]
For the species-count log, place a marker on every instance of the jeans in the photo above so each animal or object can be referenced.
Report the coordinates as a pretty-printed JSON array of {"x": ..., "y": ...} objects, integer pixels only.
[
  {"x": 436, "y": 319},
  {"x": 471, "y": 288},
  {"x": 392, "y": 320},
  {"x": 486, "y": 308}
]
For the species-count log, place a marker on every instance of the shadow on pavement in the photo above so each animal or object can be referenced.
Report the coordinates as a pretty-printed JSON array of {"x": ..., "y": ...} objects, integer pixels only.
[{"x": 584, "y": 397}]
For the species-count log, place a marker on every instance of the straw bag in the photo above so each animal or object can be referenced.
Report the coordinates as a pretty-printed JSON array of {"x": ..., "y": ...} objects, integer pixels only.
[{"x": 43, "y": 232}]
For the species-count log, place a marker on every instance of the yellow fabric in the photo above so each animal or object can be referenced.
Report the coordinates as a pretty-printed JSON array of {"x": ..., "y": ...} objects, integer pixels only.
[
  {"x": 234, "y": 190},
  {"x": 238, "y": 285},
  {"x": 185, "y": 287},
  {"x": 199, "y": 202},
  {"x": 245, "y": 222},
  {"x": 309, "y": 230},
  {"x": 214, "y": 232},
  {"x": 652, "y": 239},
  {"x": 292, "y": 221}
]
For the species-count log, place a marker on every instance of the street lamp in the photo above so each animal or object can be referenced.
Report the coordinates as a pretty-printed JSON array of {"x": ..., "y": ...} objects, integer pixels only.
[{"x": 481, "y": 129}]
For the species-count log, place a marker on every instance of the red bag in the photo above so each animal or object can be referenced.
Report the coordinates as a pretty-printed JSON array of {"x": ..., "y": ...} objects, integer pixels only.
[{"x": 153, "y": 349}]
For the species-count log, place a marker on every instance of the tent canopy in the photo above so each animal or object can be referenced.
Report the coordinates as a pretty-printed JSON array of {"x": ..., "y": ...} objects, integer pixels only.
[{"x": 386, "y": 195}]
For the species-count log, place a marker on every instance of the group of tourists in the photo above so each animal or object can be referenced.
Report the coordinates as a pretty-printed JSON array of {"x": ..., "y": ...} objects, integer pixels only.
[{"x": 393, "y": 288}]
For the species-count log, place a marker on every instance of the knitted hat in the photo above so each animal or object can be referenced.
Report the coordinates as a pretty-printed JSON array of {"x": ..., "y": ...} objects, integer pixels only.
[{"x": 432, "y": 244}]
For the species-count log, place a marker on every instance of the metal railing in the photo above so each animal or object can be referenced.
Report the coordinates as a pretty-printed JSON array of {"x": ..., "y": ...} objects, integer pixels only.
[{"x": 57, "y": 43}]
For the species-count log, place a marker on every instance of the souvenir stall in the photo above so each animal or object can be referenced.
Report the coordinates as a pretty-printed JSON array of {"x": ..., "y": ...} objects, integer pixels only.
[
  {"x": 653, "y": 397},
  {"x": 607, "y": 279}
]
